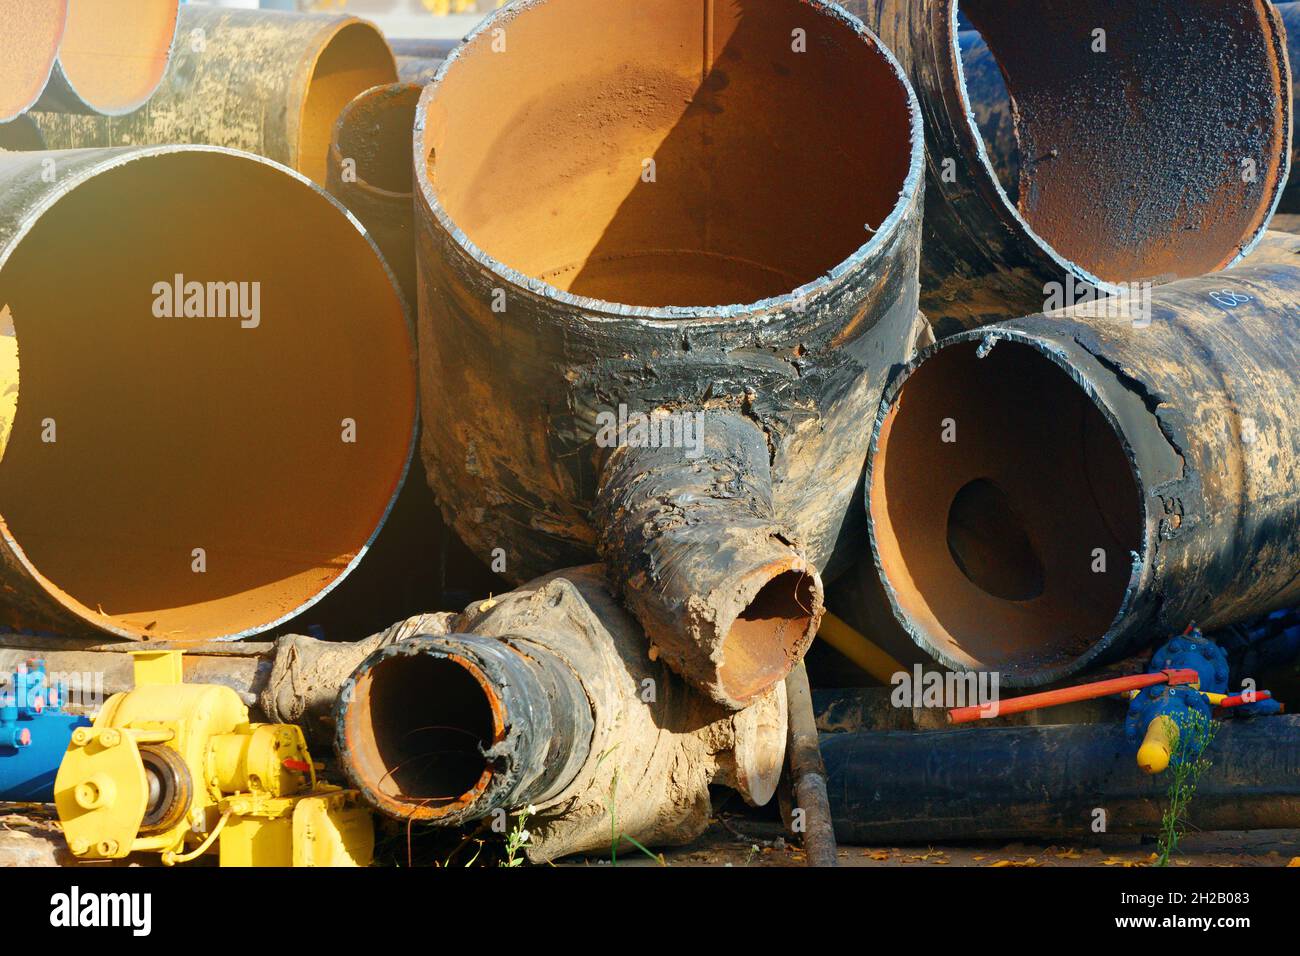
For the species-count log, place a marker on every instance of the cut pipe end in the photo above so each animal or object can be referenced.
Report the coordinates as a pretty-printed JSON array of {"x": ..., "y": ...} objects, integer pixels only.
[
  {"x": 30, "y": 32},
  {"x": 1145, "y": 155},
  {"x": 414, "y": 729},
  {"x": 780, "y": 608},
  {"x": 1007, "y": 517},
  {"x": 113, "y": 55},
  {"x": 202, "y": 433},
  {"x": 374, "y": 132}
]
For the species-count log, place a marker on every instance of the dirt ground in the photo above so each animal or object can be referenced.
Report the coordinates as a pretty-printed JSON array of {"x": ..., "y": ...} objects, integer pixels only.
[{"x": 29, "y": 836}]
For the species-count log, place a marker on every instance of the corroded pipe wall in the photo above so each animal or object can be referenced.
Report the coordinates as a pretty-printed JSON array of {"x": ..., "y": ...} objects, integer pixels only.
[
  {"x": 428, "y": 728},
  {"x": 1156, "y": 159},
  {"x": 30, "y": 31},
  {"x": 1054, "y": 490},
  {"x": 370, "y": 172},
  {"x": 694, "y": 251},
  {"x": 265, "y": 82},
  {"x": 201, "y": 430},
  {"x": 112, "y": 56}
]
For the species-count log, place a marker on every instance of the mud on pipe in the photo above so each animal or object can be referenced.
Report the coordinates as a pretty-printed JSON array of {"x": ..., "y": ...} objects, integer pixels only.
[
  {"x": 1160, "y": 159},
  {"x": 545, "y": 696},
  {"x": 581, "y": 262},
  {"x": 226, "y": 495},
  {"x": 266, "y": 82},
  {"x": 1047, "y": 492}
]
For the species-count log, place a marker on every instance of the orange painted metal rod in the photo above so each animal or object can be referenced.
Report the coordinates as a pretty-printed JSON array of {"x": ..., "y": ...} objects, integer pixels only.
[{"x": 1068, "y": 695}]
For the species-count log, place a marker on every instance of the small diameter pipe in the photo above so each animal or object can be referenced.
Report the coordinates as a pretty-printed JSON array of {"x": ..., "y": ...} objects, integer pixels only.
[
  {"x": 857, "y": 648},
  {"x": 692, "y": 544},
  {"x": 1070, "y": 695},
  {"x": 449, "y": 729},
  {"x": 808, "y": 774},
  {"x": 370, "y": 172},
  {"x": 545, "y": 696}
]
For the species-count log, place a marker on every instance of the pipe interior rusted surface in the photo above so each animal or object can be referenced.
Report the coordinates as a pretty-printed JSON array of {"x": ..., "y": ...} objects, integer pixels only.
[
  {"x": 1132, "y": 159},
  {"x": 418, "y": 728},
  {"x": 30, "y": 31},
  {"x": 770, "y": 635},
  {"x": 988, "y": 542},
  {"x": 114, "y": 54},
  {"x": 173, "y": 434},
  {"x": 355, "y": 59},
  {"x": 761, "y": 182}
]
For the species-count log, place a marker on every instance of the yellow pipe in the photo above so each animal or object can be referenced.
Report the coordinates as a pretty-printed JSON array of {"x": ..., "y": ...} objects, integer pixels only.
[
  {"x": 1158, "y": 745},
  {"x": 855, "y": 646}
]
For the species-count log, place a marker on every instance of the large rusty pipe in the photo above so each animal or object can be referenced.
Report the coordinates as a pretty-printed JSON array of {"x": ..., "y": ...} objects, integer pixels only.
[
  {"x": 990, "y": 104},
  {"x": 370, "y": 172},
  {"x": 1059, "y": 489},
  {"x": 203, "y": 428},
  {"x": 545, "y": 697},
  {"x": 1151, "y": 155},
  {"x": 267, "y": 82},
  {"x": 30, "y": 31},
  {"x": 672, "y": 232},
  {"x": 112, "y": 56}
]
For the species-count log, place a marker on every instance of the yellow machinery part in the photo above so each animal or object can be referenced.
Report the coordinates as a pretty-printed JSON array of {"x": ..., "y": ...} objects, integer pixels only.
[{"x": 101, "y": 793}]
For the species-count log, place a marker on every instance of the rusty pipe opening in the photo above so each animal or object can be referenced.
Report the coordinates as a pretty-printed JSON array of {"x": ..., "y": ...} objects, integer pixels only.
[
  {"x": 374, "y": 131},
  {"x": 687, "y": 155},
  {"x": 1145, "y": 153},
  {"x": 448, "y": 729},
  {"x": 113, "y": 55},
  {"x": 30, "y": 31},
  {"x": 355, "y": 59},
  {"x": 210, "y": 381},
  {"x": 419, "y": 731},
  {"x": 1006, "y": 514},
  {"x": 770, "y": 635}
]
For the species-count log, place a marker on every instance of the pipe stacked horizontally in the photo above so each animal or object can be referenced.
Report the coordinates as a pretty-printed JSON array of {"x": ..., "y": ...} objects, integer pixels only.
[
  {"x": 1147, "y": 153},
  {"x": 1050, "y": 492},
  {"x": 268, "y": 82},
  {"x": 112, "y": 55},
  {"x": 662, "y": 283},
  {"x": 207, "y": 392}
]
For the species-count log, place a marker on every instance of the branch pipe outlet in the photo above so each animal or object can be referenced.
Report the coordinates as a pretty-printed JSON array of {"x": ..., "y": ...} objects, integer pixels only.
[
  {"x": 1147, "y": 155},
  {"x": 1054, "y": 491},
  {"x": 656, "y": 269}
]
